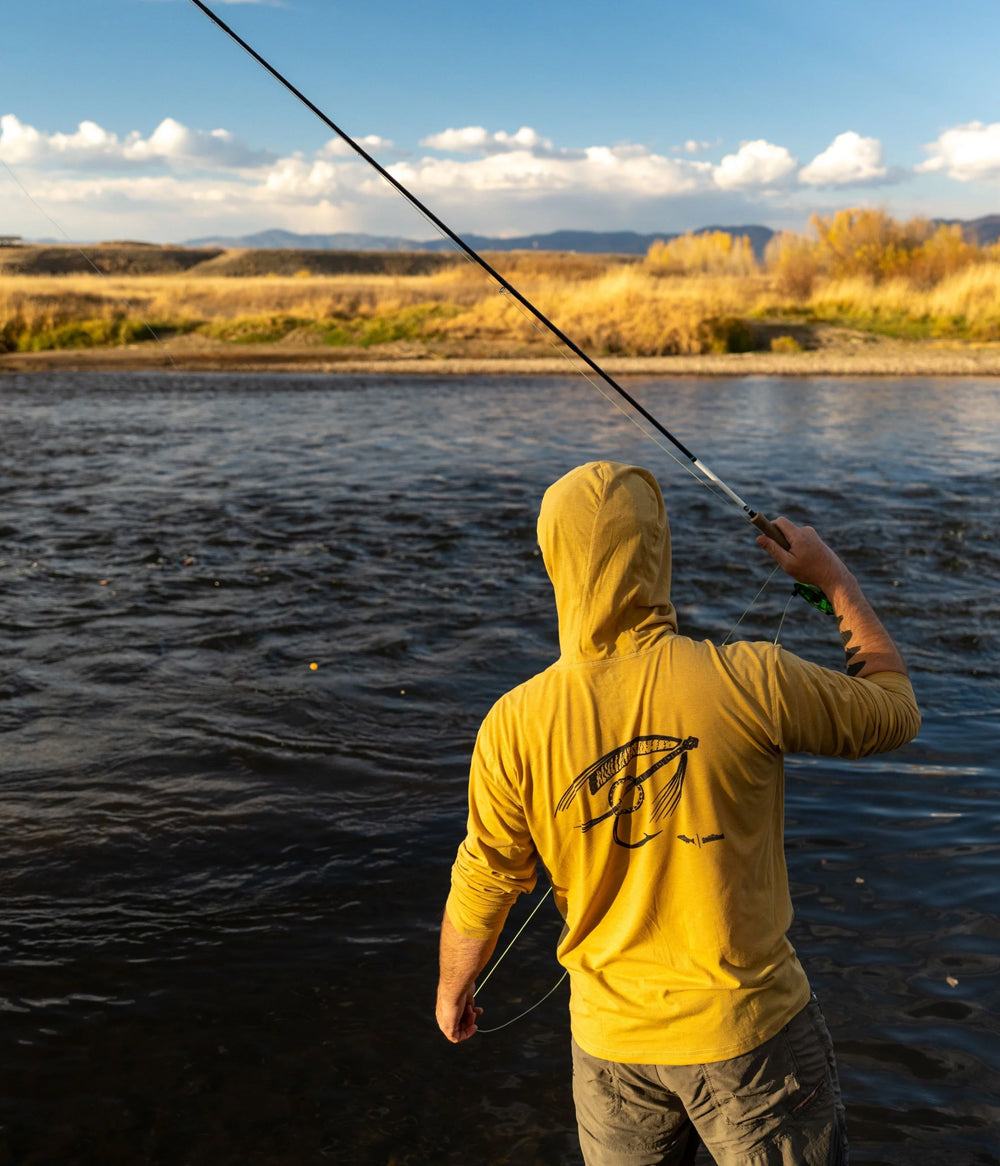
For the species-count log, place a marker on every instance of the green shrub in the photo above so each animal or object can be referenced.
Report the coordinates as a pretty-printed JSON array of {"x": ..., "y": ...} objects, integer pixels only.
[
  {"x": 412, "y": 323},
  {"x": 726, "y": 334},
  {"x": 253, "y": 329}
]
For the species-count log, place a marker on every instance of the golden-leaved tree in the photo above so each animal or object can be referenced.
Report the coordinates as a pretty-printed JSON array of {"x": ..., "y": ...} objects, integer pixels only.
[
  {"x": 871, "y": 243},
  {"x": 708, "y": 253}
]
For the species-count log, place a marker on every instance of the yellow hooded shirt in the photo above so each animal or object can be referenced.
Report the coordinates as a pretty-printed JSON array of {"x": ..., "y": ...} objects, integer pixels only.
[{"x": 644, "y": 770}]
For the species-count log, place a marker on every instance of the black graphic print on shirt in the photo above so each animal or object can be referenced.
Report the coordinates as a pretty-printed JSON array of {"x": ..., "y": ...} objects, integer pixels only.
[{"x": 623, "y": 769}]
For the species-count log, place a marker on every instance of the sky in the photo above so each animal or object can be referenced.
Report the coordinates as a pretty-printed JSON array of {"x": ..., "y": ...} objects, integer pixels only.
[{"x": 139, "y": 119}]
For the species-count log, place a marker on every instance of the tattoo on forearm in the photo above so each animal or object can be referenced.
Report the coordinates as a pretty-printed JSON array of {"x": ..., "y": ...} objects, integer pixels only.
[{"x": 846, "y": 635}]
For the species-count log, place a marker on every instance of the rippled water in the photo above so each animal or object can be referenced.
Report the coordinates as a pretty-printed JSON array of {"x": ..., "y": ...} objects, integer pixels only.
[{"x": 223, "y": 869}]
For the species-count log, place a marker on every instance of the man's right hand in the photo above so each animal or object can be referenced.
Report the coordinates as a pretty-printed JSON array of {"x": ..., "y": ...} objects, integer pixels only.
[
  {"x": 808, "y": 559},
  {"x": 868, "y": 646}
]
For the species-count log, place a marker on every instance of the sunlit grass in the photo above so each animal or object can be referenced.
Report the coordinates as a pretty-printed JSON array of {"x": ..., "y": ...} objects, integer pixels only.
[
  {"x": 963, "y": 306},
  {"x": 608, "y": 306},
  {"x": 628, "y": 312},
  {"x": 618, "y": 308}
]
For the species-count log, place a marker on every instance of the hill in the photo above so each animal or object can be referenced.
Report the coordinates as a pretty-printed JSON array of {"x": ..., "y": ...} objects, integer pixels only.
[
  {"x": 985, "y": 231},
  {"x": 106, "y": 258},
  {"x": 587, "y": 242},
  {"x": 145, "y": 259},
  {"x": 286, "y": 253}
]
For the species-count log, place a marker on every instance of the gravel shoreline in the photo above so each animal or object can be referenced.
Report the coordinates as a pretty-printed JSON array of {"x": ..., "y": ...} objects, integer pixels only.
[{"x": 888, "y": 359}]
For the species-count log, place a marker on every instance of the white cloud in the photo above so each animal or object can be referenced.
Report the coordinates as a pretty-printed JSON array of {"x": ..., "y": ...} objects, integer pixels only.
[
  {"x": 297, "y": 180},
  {"x": 469, "y": 140},
  {"x": 524, "y": 168},
  {"x": 967, "y": 153},
  {"x": 757, "y": 164},
  {"x": 89, "y": 141},
  {"x": 18, "y": 143},
  {"x": 513, "y": 183},
  {"x": 478, "y": 140},
  {"x": 849, "y": 160},
  {"x": 627, "y": 171},
  {"x": 170, "y": 143},
  {"x": 209, "y": 149},
  {"x": 179, "y": 182},
  {"x": 338, "y": 148}
]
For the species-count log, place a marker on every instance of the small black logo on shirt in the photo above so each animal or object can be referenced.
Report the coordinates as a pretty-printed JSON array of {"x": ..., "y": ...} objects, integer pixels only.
[
  {"x": 627, "y": 792},
  {"x": 700, "y": 840}
]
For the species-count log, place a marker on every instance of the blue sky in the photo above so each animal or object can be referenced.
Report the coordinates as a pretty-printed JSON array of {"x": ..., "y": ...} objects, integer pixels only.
[{"x": 139, "y": 119}]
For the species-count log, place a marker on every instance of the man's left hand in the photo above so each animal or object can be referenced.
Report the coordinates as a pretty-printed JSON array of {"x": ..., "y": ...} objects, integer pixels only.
[{"x": 457, "y": 1018}]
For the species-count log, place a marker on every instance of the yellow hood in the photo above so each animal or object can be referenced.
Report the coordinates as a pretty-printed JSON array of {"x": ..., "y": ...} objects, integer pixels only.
[{"x": 606, "y": 544}]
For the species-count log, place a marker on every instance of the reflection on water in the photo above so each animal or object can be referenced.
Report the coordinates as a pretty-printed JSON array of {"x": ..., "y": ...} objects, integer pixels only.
[{"x": 224, "y": 869}]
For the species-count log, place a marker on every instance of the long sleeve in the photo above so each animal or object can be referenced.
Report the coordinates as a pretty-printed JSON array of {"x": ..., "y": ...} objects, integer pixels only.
[
  {"x": 496, "y": 861},
  {"x": 816, "y": 710}
]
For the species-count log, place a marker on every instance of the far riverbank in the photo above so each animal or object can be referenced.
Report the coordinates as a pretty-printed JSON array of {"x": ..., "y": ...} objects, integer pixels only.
[
  {"x": 680, "y": 311},
  {"x": 873, "y": 357}
]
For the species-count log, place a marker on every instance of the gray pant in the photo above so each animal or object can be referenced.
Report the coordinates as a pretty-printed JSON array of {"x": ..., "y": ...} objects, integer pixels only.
[{"x": 778, "y": 1104}]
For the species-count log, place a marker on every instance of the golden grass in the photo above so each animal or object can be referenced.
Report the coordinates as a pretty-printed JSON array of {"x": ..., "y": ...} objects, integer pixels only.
[
  {"x": 963, "y": 306},
  {"x": 608, "y": 306},
  {"x": 626, "y": 312}
]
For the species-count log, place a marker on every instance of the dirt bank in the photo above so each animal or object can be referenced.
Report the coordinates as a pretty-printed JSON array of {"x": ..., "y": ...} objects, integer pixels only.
[{"x": 879, "y": 359}]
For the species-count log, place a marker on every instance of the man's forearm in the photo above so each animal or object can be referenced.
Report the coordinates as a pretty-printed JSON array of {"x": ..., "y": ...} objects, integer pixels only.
[
  {"x": 462, "y": 959},
  {"x": 868, "y": 646}
]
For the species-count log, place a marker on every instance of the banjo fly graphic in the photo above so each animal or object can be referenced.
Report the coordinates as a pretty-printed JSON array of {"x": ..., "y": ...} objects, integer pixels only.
[{"x": 621, "y": 771}]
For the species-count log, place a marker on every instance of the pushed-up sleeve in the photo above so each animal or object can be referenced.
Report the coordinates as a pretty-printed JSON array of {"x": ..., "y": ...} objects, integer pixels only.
[
  {"x": 496, "y": 862},
  {"x": 817, "y": 710}
]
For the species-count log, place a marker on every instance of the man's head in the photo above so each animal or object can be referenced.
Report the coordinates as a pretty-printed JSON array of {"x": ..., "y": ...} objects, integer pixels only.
[{"x": 605, "y": 540}]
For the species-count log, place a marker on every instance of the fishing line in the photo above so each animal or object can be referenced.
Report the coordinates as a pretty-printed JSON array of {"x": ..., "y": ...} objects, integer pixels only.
[
  {"x": 522, "y": 1015},
  {"x": 520, "y": 931},
  {"x": 709, "y": 479},
  {"x": 87, "y": 259},
  {"x": 497, "y": 962},
  {"x": 45, "y": 214},
  {"x": 781, "y": 622},
  {"x": 540, "y": 321},
  {"x": 750, "y": 608},
  {"x": 754, "y": 516}
]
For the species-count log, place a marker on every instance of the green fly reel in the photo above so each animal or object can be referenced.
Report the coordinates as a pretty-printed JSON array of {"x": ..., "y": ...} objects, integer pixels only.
[{"x": 814, "y": 596}]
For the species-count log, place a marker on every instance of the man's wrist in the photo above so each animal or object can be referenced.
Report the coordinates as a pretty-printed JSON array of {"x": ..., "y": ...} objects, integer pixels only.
[
  {"x": 452, "y": 994},
  {"x": 843, "y": 590}
]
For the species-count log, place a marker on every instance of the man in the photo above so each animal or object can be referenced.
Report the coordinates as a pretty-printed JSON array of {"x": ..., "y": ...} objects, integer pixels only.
[{"x": 645, "y": 771}]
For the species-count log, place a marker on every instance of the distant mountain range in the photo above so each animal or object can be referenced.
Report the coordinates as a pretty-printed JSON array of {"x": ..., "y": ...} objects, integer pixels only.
[
  {"x": 985, "y": 230},
  {"x": 592, "y": 242}
]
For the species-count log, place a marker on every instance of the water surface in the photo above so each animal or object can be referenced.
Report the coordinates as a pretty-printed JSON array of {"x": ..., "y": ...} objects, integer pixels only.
[{"x": 224, "y": 869}]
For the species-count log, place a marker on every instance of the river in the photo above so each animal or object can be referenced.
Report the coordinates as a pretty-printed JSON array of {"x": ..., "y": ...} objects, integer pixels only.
[{"x": 223, "y": 868}]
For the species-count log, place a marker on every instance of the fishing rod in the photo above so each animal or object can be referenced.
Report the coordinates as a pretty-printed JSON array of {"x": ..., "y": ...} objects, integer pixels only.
[{"x": 753, "y": 515}]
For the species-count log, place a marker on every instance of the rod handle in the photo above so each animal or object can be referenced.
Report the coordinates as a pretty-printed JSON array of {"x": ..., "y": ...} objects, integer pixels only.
[{"x": 768, "y": 528}]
